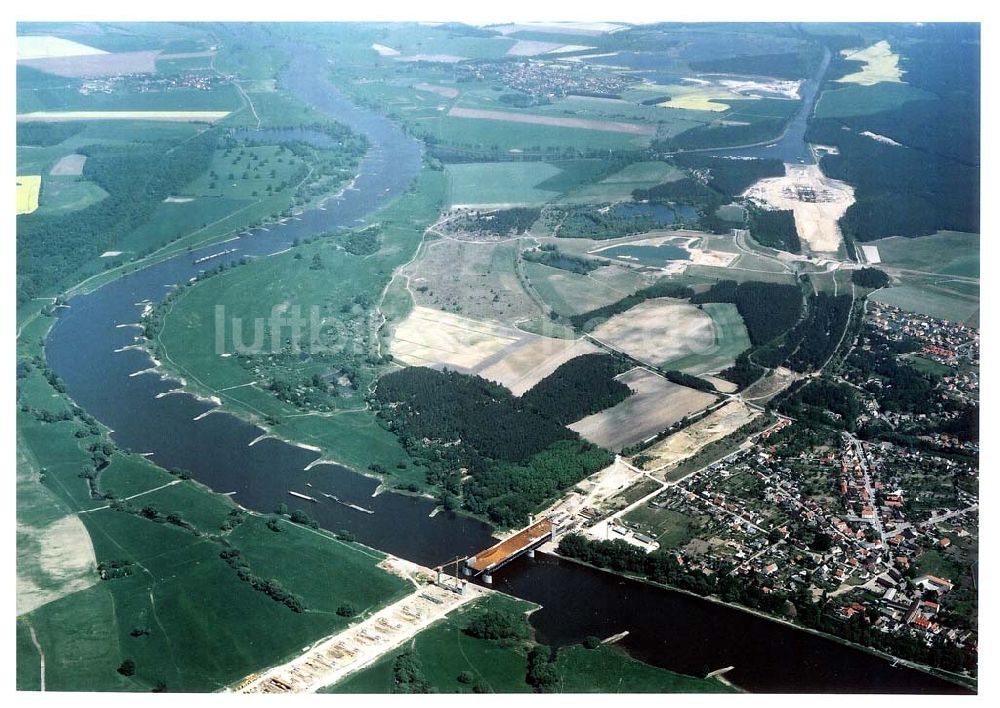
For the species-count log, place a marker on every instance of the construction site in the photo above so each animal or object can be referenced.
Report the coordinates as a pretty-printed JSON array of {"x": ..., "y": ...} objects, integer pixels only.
[{"x": 435, "y": 595}]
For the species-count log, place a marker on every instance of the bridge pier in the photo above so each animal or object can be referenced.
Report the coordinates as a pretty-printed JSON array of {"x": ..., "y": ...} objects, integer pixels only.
[
  {"x": 531, "y": 553},
  {"x": 487, "y": 578}
]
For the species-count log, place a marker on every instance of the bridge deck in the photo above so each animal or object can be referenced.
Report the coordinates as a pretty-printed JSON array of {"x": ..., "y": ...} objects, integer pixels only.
[{"x": 512, "y": 546}]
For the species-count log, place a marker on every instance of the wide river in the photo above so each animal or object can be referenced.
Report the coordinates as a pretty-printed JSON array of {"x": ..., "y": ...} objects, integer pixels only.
[{"x": 666, "y": 628}]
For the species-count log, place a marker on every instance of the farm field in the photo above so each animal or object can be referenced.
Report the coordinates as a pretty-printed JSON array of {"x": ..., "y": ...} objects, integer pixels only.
[
  {"x": 730, "y": 340},
  {"x": 511, "y": 357},
  {"x": 506, "y": 136},
  {"x": 946, "y": 252},
  {"x": 654, "y": 406},
  {"x": 55, "y": 557},
  {"x": 658, "y": 331},
  {"x": 182, "y": 116},
  {"x": 569, "y": 293},
  {"x": 610, "y": 126},
  {"x": 620, "y": 185},
  {"x": 28, "y": 188},
  {"x": 434, "y": 338},
  {"x": 499, "y": 184},
  {"x": 69, "y": 165},
  {"x": 523, "y": 366},
  {"x": 685, "y": 443},
  {"x": 860, "y": 100},
  {"x": 45, "y": 46},
  {"x": 475, "y": 279},
  {"x": 929, "y": 299},
  {"x": 61, "y": 194}
]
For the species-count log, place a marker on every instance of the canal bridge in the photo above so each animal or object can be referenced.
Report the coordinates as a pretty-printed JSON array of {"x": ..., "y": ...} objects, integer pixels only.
[{"x": 523, "y": 542}]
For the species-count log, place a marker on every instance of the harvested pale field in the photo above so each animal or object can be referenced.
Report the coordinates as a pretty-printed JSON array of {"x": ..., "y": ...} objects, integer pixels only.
[
  {"x": 515, "y": 359},
  {"x": 28, "y": 187},
  {"x": 871, "y": 254},
  {"x": 433, "y": 338},
  {"x": 577, "y": 28},
  {"x": 95, "y": 65},
  {"x": 881, "y": 64},
  {"x": 685, "y": 443},
  {"x": 384, "y": 51},
  {"x": 529, "y": 48},
  {"x": 169, "y": 116},
  {"x": 816, "y": 201},
  {"x": 720, "y": 384},
  {"x": 658, "y": 330},
  {"x": 69, "y": 165},
  {"x": 655, "y": 405},
  {"x": 609, "y": 126},
  {"x": 436, "y": 58},
  {"x": 566, "y": 48},
  {"x": 53, "y": 561},
  {"x": 477, "y": 279},
  {"x": 47, "y": 47},
  {"x": 522, "y": 366},
  {"x": 446, "y": 91}
]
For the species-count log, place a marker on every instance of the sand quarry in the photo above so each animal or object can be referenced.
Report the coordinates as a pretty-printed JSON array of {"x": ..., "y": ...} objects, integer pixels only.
[
  {"x": 516, "y": 359},
  {"x": 817, "y": 202}
]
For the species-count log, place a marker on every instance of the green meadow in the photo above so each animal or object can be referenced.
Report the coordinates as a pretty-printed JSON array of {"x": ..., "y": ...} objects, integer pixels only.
[
  {"x": 500, "y": 183},
  {"x": 343, "y": 287},
  {"x": 179, "y": 612}
]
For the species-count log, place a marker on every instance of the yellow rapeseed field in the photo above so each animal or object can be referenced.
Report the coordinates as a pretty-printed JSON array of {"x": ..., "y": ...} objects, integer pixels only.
[{"x": 28, "y": 187}]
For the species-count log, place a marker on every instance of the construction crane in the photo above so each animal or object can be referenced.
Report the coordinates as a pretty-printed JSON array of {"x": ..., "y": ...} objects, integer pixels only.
[{"x": 459, "y": 584}]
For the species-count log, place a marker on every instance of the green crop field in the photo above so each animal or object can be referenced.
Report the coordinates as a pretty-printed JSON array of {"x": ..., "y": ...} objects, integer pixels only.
[
  {"x": 730, "y": 340},
  {"x": 856, "y": 100},
  {"x": 61, "y": 194},
  {"x": 619, "y": 186},
  {"x": 570, "y": 293},
  {"x": 933, "y": 301},
  {"x": 504, "y": 136},
  {"x": 946, "y": 252},
  {"x": 223, "y": 97},
  {"x": 500, "y": 183}
]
